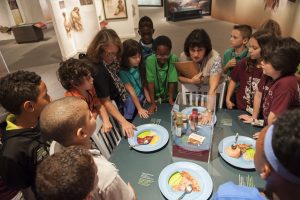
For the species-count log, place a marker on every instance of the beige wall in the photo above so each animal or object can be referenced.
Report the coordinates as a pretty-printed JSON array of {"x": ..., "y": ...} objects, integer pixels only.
[{"x": 252, "y": 12}]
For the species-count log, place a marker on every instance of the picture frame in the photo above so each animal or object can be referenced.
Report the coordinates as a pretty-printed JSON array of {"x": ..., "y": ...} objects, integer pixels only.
[
  {"x": 115, "y": 9},
  {"x": 150, "y": 3},
  {"x": 86, "y": 2}
]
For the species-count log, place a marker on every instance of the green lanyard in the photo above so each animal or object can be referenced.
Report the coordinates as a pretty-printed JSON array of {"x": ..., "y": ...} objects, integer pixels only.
[{"x": 166, "y": 81}]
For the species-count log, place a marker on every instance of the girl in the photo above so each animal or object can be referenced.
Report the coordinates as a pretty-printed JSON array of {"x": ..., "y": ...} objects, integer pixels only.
[{"x": 132, "y": 74}]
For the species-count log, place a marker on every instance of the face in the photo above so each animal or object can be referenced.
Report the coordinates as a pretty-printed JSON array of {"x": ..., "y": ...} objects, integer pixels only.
[
  {"x": 42, "y": 100},
  {"x": 236, "y": 39},
  {"x": 197, "y": 53},
  {"x": 254, "y": 49},
  {"x": 110, "y": 53},
  {"x": 269, "y": 70},
  {"x": 146, "y": 34},
  {"x": 162, "y": 54},
  {"x": 135, "y": 60},
  {"x": 87, "y": 83}
]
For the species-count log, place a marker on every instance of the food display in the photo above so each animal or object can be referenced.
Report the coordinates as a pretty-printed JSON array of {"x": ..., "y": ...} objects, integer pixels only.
[
  {"x": 180, "y": 180},
  {"x": 148, "y": 135},
  {"x": 245, "y": 150},
  {"x": 195, "y": 139}
]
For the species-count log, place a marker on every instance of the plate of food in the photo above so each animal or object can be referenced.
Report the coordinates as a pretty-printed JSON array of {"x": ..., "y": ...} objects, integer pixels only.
[
  {"x": 149, "y": 137},
  {"x": 241, "y": 155},
  {"x": 201, "y": 110},
  {"x": 174, "y": 178}
]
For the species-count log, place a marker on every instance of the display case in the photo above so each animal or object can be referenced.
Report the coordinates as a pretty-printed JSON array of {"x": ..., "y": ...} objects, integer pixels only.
[{"x": 192, "y": 123}]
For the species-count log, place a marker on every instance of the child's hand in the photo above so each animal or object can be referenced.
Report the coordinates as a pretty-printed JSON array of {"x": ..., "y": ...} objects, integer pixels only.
[
  {"x": 231, "y": 63},
  {"x": 131, "y": 188},
  {"x": 143, "y": 113},
  {"x": 153, "y": 108},
  {"x": 106, "y": 127},
  {"x": 127, "y": 128},
  {"x": 246, "y": 118},
  {"x": 256, "y": 135},
  {"x": 206, "y": 119},
  {"x": 229, "y": 104}
]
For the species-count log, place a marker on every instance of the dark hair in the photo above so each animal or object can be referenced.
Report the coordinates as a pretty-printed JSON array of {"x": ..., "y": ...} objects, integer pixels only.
[
  {"x": 69, "y": 174},
  {"x": 283, "y": 55},
  {"x": 272, "y": 26},
  {"x": 162, "y": 40},
  {"x": 286, "y": 140},
  {"x": 197, "y": 38},
  {"x": 145, "y": 21},
  {"x": 18, "y": 87},
  {"x": 97, "y": 47},
  {"x": 72, "y": 71},
  {"x": 245, "y": 30}
]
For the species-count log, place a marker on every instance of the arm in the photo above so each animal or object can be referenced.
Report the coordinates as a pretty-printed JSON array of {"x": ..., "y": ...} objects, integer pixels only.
[
  {"x": 195, "y": 80},
  {"x": 107, "y": 126},
  {"x": 171, "y": 93},
  {"x": 127, "y": 127},
  {"x": 230, "y": 91},
  {"x": 271, "y": 118},
  {"x": 256, "y": 107},
  {"x": 153, "y": 106},
  {"x": 147, "y": 95}
]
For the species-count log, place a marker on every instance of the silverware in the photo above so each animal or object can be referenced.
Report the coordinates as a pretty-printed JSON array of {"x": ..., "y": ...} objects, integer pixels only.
[
  {"x": 234, "y": 145},
  {"x": 144, "y": 143},
  {"x": 188, "y": 189}
]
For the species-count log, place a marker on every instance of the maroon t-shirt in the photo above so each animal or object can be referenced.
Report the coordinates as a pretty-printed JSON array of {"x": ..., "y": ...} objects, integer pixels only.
[
  {"x": 248, "y": 80},
  {"x": 279, "y": 95}
]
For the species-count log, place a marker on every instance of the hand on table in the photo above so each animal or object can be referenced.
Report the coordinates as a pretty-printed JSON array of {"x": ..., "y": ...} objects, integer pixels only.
[
  {"x": 206, "y": 119},
  {"x": 143, "y": 113},
  {"x": 153, "y": 108},
  {"x": 246, "y": 118},
  {"x": 256, "y": 135},
  {"x": 127, "y": 128},
  {"x": 229, "y": 104}
]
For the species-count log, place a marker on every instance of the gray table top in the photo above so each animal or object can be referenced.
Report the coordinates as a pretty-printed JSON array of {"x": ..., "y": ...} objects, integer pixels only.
[{"x": 142, "y": 169}]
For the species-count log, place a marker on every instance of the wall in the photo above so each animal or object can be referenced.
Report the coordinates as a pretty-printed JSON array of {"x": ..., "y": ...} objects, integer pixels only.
[
  {"x": 252, "y": 12},
  {"x": 5, "y": 20},
  {"x": 31, "y": 12}
]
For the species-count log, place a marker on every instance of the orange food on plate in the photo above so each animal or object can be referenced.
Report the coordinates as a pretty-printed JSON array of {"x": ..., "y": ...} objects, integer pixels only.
[
  {"x": 186, "y": 179},
  {"x": 234, "y": 153}
]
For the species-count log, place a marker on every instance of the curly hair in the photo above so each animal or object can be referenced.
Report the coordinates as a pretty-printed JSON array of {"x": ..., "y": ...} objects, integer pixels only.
[
  {"x": 162, "y": 40},
  {"x": 18, "y": 87},
  {"x": 72, "y": 71},
  {"x": 286, "y": 140},
  {"x": 145, "y": 21},
  {"x": 69, "y": 174},
  {"x": 100, "y": 42},
  {"x": 197, "y": 38}
]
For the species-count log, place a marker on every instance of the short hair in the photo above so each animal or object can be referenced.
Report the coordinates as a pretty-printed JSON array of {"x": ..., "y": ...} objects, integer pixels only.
[
  {"x": 61, "y": 119},
  {"x": 162, "y": 40},
  {"x": 197, "y": 38},
  {"x": 272, "y": 26},
  {"x": 286, "y": 140},
  {"x": 97, "y": 47},
  {"x": 245, "y": 30},
  {"x": 283, "y": 55},
  {"x": 69, "y": 174},
  {"x": 145, "y": 21},
  {"x": 72, "y": 71},
  {"x": 131, "y": 48},
  {"x": 18, "y": 87}
]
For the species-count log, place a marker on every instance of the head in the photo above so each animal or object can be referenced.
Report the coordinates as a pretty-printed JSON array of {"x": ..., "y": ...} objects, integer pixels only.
[
  {"x": 68, "y": 121},
  {"x": 132, "y": 55},
  {"x": 23, "y": 93},
  {"x": 74, "y": 73},
  {"x": 146, "y": 30},
  {"x": 69, "y": 174},
  {"x": 162, "y": 46},
  {"x": 281, "y": 58},
  {"x": 284, "y": 143},
  {"x": 106, "y": 46},
  {"x": 272, "y": 26},
  {"x": 197, "y": 45},
  {"x": 240, "y": 35}
]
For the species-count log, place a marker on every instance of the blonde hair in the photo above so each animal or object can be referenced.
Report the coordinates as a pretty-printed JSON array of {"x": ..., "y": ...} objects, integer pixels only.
[{"x": 100, "y": 41}]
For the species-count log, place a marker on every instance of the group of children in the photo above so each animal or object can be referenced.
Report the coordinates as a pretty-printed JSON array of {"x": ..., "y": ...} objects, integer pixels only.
[{"x": 261, "y": 81}]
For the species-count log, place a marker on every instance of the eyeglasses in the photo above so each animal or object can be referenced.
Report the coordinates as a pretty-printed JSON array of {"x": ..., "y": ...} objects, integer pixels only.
[{"x": 111, "y": 54}]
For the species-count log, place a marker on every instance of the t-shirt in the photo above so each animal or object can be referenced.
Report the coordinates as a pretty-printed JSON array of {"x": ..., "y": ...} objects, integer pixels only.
[
  {"x": 230, "y": 53},
  {"x": 133, "y": 77},
  {"x": 248, "y": 80},
  {"x": 146, "y": 49},
  {"x": 229, "y": 190},
  {"x": 161, "y": 76},
  {"x": 279, "y": 95}
]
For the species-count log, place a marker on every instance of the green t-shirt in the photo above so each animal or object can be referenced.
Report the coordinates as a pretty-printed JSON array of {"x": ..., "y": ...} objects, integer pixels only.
[
  {"x": 161, "y": 76},
  {"x": 133, "y": 77},
  {"x": 230, "y": 53}
]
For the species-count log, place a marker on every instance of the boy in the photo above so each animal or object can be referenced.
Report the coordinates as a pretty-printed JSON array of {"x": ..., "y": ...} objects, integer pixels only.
[
  {"x": 146, "y": 31},
  {"x": 276, "y": 160},
  {"x": 75, "y": 76},
  {"x": 161, "y": 73},
  {"x": 61, "y": 176},
  {"x": 74, "y": 126},
  {"x": 239, "y": 38},
  {"x": 23, "y": 94}
]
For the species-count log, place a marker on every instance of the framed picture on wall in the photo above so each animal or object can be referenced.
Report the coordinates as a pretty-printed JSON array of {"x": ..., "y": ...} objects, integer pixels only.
[
  {"x": 116, "y": 9},
  {"x": 150, "y": 3},
  {"x": 86, "y": 2}
]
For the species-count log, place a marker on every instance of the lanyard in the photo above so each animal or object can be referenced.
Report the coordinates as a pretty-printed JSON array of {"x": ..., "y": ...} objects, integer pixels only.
[{"x": 166, "y": 81}]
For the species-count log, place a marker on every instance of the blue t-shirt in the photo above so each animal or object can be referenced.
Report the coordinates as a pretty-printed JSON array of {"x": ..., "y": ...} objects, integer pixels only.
[{"x": 229, "y": 190}]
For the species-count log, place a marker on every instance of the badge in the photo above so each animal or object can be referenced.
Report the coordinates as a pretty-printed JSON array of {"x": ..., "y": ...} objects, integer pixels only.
[{"x": 249, "y": 109}]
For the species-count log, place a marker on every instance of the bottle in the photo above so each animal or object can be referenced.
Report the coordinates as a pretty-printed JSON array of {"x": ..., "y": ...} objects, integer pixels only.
[
  {"x": 179, "y": 124},
  {"x": 194, "y": 119},
  {"x": 185, "y": 120}
]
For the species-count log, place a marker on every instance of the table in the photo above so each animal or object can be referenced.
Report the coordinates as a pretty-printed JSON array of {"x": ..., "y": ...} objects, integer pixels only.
[{"x": 142, "y": 169}]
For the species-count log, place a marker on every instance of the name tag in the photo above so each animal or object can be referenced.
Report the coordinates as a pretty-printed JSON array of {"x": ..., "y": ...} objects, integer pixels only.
[
  {"x": 249, "y": 110},
  {"x": 258, "y": 122}
]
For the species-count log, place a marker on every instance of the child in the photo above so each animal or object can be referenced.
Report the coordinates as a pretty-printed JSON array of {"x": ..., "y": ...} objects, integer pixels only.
[
  {"x": 248, "y": 73},
  {"x": 239, "y": 38},
  {"x": 75, "y": 76},
  {"x": 161, "y": 73},
  {"x": 23, "y": 94},
  {"x": 271, "y": 25},
  {"x": 69, "y": 174},
  {"x": 277, "y": 162},
  {"x": 74, "y": 126},
  {"x": 146, "y": 31},
  {"x": 132, "y": 74}
]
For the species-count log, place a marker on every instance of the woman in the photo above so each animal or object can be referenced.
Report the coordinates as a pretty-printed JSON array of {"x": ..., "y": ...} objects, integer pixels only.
[
  {"x": 104, "y": 52},
  {"x": 198, "y": 48}
]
